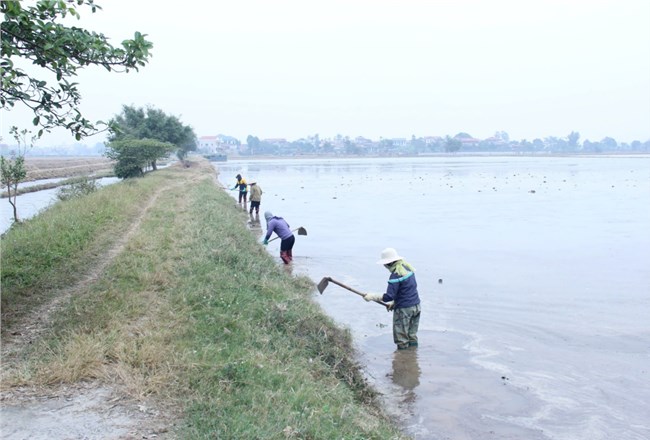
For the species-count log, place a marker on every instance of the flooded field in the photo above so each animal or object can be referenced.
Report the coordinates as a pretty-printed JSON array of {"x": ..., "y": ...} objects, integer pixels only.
[{"x": 533, "y": 275}]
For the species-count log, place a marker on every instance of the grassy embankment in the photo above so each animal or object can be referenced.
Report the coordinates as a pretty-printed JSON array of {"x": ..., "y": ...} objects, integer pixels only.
[{"x": 193, "y": 311}]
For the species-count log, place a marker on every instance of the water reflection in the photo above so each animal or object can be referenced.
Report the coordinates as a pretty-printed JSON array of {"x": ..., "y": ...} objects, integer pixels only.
[
  {"x": 406, "y": 373},
  {"x": 254, "y": 223}
]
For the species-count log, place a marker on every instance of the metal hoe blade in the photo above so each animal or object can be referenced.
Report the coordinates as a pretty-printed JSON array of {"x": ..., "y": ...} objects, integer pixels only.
[{"x": 323, "y": 284}]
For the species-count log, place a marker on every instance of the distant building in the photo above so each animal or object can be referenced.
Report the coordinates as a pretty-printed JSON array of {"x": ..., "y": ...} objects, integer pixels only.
[
  {"x": 361, "y": 141},
  {"x": 469, "y": 142},
  {"x": 435, "y": 140},
  {"x": 219, "y": 144},
  {"x": 208, "y": 144},
  {"x": 495, "y": 141}
]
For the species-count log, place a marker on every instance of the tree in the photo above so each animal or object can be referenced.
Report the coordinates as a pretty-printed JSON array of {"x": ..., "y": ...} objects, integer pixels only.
[
  {"x": 418, "y": 144},
  {"x": 504, "y": 136},
  {"x": 554, "y": 143},
  {"x": 538, "y": 144},
  {"x": 350, "y": 147},
  {"x": 152, "y": 123},
  {"x": 132, "y": 156},
  {"x": 454, "y": 144},
  {"x": 315, "y": 140},
  {"x": 253, "y": 143},
  {"x": 636, "y": 145},
  {"x": 386, "y": 144},
  {"x": 303, "y": 146},
  {"x": 609, "y": 143},
  {"x": 573, "y": 139},
  {"x": 327, "y": 147},
  {"x": 13, "y": 171},
  {"x": 31, "y": 33}
]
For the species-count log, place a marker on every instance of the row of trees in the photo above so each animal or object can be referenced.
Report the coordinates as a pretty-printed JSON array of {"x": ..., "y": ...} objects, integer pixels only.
[
  {"x": 461, "y": 142},
  {"x": 141, "y": 136}
]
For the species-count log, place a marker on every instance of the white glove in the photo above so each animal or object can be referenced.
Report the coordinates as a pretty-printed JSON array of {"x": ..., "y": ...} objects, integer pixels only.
[{"x": 373, "y": 296}]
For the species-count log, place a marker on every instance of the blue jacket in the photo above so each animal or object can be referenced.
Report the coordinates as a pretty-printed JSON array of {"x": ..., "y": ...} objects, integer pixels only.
[{"x": 402, "y": 290}]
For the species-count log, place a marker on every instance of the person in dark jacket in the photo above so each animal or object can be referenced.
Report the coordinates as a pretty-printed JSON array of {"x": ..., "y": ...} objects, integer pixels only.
[
  {"x": 402, "y": 290},
  {"x": 283, "y": 230},
  {"x": 243, "y": 188}
]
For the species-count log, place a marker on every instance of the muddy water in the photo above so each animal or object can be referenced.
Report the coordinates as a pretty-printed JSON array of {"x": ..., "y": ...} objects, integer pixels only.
[{"x": 533, "y": 274}]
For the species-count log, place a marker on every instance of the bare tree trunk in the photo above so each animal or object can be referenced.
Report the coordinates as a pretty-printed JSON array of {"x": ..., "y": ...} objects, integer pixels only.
[{"x": 11, "y": 197}]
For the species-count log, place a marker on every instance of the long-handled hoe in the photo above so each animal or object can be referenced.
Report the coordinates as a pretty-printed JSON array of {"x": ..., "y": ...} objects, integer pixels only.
[
  {"x": 301, "y": 231},
  {"x": 325, "y": 281}
]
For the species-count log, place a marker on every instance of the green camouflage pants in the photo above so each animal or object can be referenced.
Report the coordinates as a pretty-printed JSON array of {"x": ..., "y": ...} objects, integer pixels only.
[{"x": 405, "y": 326}]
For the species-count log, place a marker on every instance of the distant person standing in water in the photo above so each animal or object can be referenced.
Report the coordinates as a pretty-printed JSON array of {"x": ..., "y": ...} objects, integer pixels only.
[
  {"x": 283, "y": 230},
  {"x": 403, "y": 291},
  {"x": 243, "y": 190},
  {"x": 256, "y": 197}
]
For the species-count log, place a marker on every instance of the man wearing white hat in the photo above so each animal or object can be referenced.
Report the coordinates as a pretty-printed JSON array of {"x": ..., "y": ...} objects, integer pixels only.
[
  {"x": 256, "y": 197},
  {"x": 403, "y": 291}
]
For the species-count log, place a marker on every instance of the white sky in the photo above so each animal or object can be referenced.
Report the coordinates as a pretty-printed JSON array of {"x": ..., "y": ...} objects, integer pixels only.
[{"x": 293, "y": 68}]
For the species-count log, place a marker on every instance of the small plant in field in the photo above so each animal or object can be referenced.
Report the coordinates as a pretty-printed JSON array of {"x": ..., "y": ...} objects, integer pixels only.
[
  {"x": 81, "y": 188},
  {"x": 13, "y": 171}
]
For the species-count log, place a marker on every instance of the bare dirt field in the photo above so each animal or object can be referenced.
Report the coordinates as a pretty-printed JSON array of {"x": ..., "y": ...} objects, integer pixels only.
[{"x": 63, "y": 166}]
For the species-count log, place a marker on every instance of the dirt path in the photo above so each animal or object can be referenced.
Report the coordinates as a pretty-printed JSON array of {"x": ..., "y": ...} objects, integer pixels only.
[{"x": 90, "y": 410}]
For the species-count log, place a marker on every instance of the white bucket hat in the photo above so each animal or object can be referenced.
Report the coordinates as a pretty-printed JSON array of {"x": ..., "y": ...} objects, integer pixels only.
[{"x": 389, "y": 255}]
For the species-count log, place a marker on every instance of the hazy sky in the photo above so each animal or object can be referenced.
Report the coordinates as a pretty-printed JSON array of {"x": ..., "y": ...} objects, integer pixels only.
[{"x": 289, "y": 68}]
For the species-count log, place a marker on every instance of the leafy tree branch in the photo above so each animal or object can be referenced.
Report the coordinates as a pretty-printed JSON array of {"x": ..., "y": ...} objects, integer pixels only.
[{"x": 33, "y": 34}]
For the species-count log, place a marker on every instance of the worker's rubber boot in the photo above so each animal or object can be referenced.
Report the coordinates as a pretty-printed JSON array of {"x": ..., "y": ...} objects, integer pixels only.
[{"x": 286, "y": 257}]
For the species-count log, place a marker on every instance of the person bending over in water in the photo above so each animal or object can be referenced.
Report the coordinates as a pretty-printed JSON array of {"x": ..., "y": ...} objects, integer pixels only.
[{"x": 283, "y": 230}]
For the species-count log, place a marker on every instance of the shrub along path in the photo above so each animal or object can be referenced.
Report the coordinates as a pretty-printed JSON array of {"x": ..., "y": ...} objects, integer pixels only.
[{"x": 150, "y": 308}]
